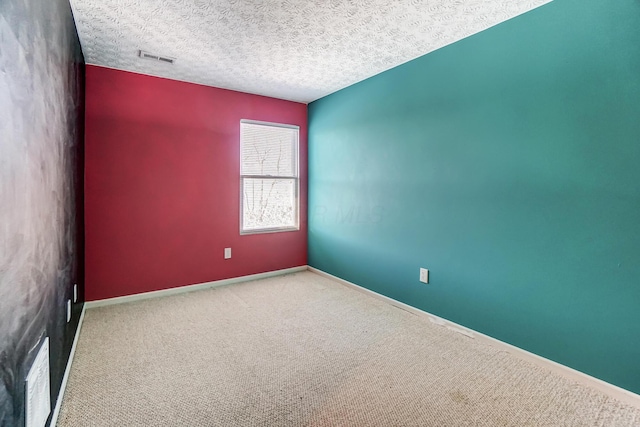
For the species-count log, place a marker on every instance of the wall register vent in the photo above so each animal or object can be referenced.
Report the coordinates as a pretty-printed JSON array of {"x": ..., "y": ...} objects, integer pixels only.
[{"x": 37, "y": 399}]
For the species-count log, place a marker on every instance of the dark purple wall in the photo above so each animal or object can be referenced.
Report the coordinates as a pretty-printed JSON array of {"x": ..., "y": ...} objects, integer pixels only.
[{"x": 41, "y": 229}]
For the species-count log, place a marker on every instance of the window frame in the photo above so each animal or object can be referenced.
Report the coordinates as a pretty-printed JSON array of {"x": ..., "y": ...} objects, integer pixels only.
[{"x": 295, "y": 178}]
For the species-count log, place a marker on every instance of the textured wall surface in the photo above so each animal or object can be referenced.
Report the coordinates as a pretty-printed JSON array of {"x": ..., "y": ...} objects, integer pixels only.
[
  {"x": 41, "y": 85},
  {"x": 507, "y": 164},
  {"x": 163, "y": 184}
]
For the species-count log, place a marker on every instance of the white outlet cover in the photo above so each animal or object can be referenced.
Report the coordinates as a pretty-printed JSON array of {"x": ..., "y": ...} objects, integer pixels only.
[
  {"x": 424, "y": 275},
  {"x": 227, "y": 253},
  {"x": 68, "y": 310},
  {"x": 38, "y": 403}
]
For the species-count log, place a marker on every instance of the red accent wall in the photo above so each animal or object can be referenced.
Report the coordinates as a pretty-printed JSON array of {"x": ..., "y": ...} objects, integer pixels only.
[{"x": 162, "y": 184}]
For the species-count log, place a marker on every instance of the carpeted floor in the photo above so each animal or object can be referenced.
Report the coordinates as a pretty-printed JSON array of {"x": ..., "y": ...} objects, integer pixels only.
[{"x": 302, "y": 350}]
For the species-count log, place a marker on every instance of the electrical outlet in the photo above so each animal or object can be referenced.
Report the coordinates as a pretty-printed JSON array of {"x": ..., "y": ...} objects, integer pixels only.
[
  {"x": 68, "y": 310},
  {"x": 227, "y": 253},
  {"x": 424, "y": 275},
  {"x": 75, "y": 293}
]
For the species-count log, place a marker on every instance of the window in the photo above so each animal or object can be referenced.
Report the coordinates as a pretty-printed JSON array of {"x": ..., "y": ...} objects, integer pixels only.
[{"x": 268, "y": 177}]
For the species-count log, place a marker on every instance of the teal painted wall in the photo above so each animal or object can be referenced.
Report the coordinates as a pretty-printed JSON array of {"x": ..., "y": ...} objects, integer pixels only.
[{"x": 509, "y": 165}]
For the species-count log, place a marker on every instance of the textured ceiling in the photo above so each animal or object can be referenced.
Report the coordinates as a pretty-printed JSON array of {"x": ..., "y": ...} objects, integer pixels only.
[{"x": 299, "y": 50}]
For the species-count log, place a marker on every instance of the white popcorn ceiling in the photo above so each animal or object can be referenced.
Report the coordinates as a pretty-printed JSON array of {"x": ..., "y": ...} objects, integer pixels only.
[{"x": 299, "y": 50}]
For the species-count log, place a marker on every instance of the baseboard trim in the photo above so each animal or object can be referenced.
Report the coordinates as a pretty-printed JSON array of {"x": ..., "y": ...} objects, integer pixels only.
[
  {"x": 67, "y": 370},
  {"x": 609, "y": 389},
  {"x": 191, "y": 288}
]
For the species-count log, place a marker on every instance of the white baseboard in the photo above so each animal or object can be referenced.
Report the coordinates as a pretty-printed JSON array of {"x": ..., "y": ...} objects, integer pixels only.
[
  {"x": 191, "y": 288},
  {"x": 65, "y": 378},
  {"x": 616, "y": 392}
]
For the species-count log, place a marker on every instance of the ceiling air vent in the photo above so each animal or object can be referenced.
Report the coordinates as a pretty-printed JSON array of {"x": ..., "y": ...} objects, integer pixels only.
[{"x": 154, "y": 57}]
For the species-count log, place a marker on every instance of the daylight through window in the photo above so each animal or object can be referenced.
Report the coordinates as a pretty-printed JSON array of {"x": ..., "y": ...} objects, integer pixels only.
[{"x": 269, "y": 177}]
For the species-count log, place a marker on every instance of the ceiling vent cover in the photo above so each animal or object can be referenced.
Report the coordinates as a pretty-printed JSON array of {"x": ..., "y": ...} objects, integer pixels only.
[{"x": 147, "y": 55}]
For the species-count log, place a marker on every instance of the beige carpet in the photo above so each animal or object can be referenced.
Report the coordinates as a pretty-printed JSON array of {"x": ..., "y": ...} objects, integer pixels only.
[{"x": 302, "y": 350}]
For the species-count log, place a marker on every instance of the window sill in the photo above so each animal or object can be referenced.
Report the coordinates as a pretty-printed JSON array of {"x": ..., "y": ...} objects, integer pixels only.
[{"x": 268, "y": 230}]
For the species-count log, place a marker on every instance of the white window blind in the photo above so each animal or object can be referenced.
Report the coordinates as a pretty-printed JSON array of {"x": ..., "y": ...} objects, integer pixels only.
[{"x": 269, "y": 177}]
